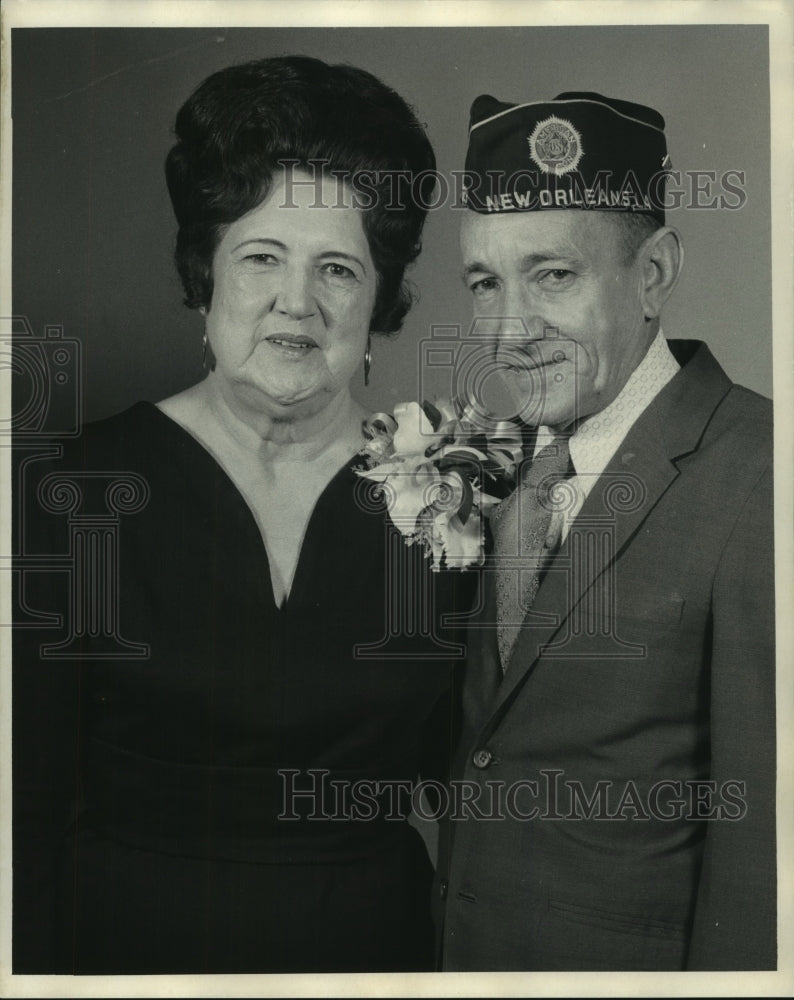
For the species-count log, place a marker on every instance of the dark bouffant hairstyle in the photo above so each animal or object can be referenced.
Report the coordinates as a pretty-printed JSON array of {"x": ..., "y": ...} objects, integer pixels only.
[{"x": 234, "y": 130}]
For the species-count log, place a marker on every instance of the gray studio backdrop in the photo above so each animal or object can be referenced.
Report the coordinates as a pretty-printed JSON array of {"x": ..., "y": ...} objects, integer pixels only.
[{"x": 92, "y": 226}]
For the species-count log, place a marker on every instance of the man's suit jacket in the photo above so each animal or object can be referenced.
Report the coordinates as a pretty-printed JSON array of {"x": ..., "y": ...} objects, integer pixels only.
[{"x": 639, "y": 700}]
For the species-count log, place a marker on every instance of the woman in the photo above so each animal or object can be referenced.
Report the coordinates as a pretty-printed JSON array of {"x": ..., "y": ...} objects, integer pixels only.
[{"x": 212, "y": 766}]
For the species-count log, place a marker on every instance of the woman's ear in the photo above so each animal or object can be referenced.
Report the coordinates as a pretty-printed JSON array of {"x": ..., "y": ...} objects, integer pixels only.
[{"x": 661, "y": 260}]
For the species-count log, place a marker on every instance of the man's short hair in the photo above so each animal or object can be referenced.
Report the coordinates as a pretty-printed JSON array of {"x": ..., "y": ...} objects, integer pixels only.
[{"x": 634, "y": 229}]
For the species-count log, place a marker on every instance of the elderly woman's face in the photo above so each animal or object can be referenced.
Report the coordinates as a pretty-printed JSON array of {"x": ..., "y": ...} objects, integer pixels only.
[{"x": 294, "y": 290}]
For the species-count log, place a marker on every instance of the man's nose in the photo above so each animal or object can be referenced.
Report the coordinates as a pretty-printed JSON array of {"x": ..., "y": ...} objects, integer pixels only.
[
  {"x": 295, "y": 295},
  {"x": 519, "y": 320},
  {"x": 515, "y": 329}
]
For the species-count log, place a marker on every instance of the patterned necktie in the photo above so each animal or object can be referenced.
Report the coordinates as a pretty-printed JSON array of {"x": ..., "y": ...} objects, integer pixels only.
[{"x": 523, "y": 544}]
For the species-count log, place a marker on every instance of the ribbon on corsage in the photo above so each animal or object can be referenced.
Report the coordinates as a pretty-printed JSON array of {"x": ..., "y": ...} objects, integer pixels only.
[{"x": 441, "y": 470}]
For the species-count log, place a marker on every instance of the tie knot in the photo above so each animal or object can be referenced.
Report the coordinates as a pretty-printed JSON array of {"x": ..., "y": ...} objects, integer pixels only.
[{"x": 551, "y": 463}]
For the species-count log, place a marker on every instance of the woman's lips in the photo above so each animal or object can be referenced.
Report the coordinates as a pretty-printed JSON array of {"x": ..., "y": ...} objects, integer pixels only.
[{"x": 294, "y": 343}]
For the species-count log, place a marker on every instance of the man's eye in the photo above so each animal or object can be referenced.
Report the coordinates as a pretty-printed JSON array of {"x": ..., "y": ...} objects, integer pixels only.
[
  {"x": 556, "y": 276},
  {"x": 483, "y": 286}
]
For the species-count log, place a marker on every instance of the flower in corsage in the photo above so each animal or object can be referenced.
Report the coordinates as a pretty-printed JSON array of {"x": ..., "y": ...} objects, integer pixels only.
[{"x": 441, "y": 470}]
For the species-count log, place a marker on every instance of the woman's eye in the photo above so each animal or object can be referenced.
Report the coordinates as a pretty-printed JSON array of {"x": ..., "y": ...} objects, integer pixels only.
[
  {"x": 338, "y": 270},
  {"x": 260, "y": 258}
]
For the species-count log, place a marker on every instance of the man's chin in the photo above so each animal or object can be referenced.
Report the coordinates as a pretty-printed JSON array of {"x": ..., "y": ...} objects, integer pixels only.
[{"x": 537, "y": 409}]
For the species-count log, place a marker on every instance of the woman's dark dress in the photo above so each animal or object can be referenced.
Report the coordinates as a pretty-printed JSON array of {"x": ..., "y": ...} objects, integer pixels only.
[{"x": 154, "y": 826}]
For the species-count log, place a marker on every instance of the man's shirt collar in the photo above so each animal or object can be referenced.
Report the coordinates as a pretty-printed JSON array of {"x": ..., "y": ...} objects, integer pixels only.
[{"x": 598, "y": 437}]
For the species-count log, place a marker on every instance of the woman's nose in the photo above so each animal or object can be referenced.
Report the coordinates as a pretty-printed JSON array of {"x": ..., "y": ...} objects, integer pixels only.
[{"x": 295, "y": 295}]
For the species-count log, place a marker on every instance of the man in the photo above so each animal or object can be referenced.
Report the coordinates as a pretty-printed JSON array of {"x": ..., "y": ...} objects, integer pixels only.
[{"x": 612, "y": 806}]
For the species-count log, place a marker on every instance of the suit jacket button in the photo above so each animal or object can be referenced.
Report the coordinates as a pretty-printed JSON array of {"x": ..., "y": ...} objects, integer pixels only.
[
  {"x": 443, "y": 887},
  {"x": 482, "y": 758}
]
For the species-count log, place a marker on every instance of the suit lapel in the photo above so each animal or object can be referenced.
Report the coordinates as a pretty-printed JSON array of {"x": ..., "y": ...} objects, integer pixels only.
[
  {"x": 625, "y": 494},
  {"x": 615, "y": 508}
]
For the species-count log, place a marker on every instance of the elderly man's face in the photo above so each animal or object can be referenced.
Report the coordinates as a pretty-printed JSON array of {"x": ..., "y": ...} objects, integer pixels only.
[{"x": 555, "y": 292}]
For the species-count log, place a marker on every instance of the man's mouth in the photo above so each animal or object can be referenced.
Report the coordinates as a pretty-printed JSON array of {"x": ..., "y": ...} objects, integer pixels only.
[{"x": 524, "y": 362}]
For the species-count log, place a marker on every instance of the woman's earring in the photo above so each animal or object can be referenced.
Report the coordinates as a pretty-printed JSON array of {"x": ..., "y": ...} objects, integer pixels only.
[
  {"x": 207, "y": 355},
  {"x": 205, "y": 348},
  {"x": 367, "y": 359}
]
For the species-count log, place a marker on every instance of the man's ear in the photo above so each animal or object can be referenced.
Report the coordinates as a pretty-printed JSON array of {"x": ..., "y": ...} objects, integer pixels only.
[{"x": 661, "y": 259}]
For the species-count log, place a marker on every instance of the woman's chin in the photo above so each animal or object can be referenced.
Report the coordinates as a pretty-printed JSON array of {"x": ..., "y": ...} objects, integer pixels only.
[{"x": 289, "y": 400}]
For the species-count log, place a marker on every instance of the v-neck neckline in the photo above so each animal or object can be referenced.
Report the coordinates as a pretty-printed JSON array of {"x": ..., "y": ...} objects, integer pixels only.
[{"x": 298, "y": 585}]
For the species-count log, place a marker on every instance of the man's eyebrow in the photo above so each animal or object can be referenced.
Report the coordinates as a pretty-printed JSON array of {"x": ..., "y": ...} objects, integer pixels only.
[
  {"x": 530, "y": 260},
  {"x": 474, "y": 268}
]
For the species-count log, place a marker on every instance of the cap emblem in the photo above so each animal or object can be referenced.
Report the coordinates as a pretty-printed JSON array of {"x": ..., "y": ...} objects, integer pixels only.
[{"x": 555, "y": 146}]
